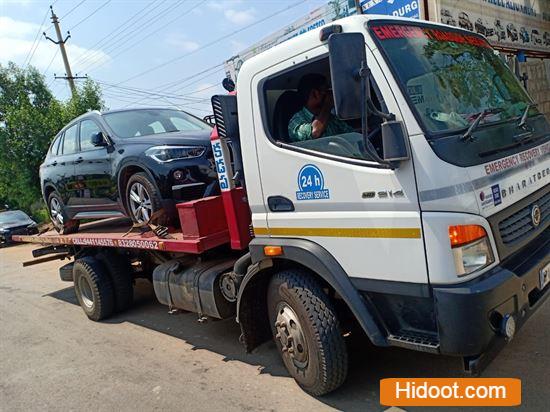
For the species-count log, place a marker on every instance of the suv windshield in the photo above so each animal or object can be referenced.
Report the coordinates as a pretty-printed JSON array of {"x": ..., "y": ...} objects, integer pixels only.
[
  {"x": 450, "y": 77},
  {"x": 131, "y": 123}
]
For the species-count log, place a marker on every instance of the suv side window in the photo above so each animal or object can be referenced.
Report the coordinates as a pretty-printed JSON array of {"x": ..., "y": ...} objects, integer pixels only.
[
  {"x": 55, "y": 145},
  {"x": 87, "y": 129},
  {"x": 70, "y": 143},
  {"x": 289, "y": 122}
]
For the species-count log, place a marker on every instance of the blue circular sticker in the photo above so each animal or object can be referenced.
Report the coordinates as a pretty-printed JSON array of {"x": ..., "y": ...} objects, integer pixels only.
[
  {"x": 311, "y": 184},
  {"x": 310, "y": 179}
]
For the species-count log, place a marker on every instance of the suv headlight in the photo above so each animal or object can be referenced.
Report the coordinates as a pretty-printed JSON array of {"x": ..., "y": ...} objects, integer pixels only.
[
  {"x": 163, "y": 154},
  {"x": 471, "y": 248}
]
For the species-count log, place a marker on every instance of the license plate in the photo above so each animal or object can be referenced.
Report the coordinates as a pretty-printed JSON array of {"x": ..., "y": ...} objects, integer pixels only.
[{"x": 544, "y": 276}]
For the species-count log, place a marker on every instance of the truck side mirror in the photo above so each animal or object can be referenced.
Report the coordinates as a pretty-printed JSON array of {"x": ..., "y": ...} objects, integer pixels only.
[
  {"x": 394, "y": 141},
  {"x": 346, "y": 55},
  {"x": 98, "y": 139}
]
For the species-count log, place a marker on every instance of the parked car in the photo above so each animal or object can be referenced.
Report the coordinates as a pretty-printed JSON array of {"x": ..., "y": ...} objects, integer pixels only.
[
  {"x": 546, "y": 38},
  {"x": 15, "y": 222},
  {"x": 126, "y": 163},
  {"x": 512, "y": 32},
  {"x": 447, "y": 17},
  {"x": 464, "y": 21},
  {"x": 535, "y": 37},
  {"x": 524, "y": 35},
  {"x": 499, "y": 30}
]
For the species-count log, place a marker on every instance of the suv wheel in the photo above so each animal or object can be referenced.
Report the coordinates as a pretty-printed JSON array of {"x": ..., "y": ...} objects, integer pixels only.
[
  {"x": 60, "y": 222},
  {"x": 142, "y": 197}
]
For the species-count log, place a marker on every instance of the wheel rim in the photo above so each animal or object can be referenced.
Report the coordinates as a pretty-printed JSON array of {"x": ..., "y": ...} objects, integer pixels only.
[
  {"x": 56, "y": 211},
  {"x": 85, "y": 289},
  {"x": 291, "y": 336},
  {"x": 140, "y": 202}
]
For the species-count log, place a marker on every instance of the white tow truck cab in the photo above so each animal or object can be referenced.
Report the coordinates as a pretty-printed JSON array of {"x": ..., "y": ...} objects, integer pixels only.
[
  {"x": 431, "y": 222},
  {"x": 426, "y": 225}
]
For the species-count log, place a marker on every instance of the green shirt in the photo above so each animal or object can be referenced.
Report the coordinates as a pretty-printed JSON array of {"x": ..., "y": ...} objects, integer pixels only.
[{"x": 300, "y": 126}]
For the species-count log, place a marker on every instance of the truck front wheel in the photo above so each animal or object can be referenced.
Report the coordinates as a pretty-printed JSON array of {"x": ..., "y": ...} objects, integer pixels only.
[
  {"x": 307, "y": 332},
  {"x": 93, "y": 288}
]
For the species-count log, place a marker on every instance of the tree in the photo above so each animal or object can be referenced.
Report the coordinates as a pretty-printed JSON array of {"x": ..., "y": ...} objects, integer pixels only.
[{"x": 30, "y": 117}]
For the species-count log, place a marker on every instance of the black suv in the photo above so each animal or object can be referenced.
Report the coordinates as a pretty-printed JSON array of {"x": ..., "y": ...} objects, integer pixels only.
[{"x": 126, "y": 163}]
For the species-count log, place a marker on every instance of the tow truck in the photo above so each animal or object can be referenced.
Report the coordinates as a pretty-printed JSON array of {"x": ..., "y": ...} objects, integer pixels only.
[{"x": 426, "y": 228}]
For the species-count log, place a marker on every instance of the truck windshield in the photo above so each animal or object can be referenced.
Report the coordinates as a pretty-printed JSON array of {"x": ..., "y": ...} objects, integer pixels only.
[{"x": 450, "y": 77}]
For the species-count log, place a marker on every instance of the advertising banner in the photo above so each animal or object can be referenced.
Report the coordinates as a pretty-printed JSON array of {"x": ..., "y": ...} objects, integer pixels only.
[
  {"x": 505, "y": 23},
  {"x": 333, "y": 10},
  {"x": 398, "y": 8}
]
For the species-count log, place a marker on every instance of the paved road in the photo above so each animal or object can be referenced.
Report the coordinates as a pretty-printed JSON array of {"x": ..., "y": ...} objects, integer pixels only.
[{"x": 53, "y": 358}]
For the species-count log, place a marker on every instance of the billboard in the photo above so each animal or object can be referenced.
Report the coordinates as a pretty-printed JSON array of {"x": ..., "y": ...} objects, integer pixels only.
[
  {"x": 333, "y": 10},
  {"x": 398, "y": 8},
  {"x": 504, "y": 23}
]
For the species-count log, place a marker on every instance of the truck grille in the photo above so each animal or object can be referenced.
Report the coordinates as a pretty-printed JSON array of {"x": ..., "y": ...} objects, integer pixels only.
[{"x": 519, "y": 225}]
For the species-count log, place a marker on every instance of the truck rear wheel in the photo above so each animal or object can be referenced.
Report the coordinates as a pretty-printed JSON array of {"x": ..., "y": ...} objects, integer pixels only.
[
  {"x": 93, "y": 288},
  {"x": 307, "y": 332}
]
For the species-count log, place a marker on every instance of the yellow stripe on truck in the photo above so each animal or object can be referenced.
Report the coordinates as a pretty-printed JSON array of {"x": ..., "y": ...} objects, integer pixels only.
[{"x": 367, "y": 232}]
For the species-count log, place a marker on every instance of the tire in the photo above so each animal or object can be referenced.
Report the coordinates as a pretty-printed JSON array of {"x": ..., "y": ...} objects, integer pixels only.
[
  {"x": 320, "y": 365},
  {"x": 93, "y": 288},
  {"x": 120, "y": 272},
  {"x": 58, "y": 215},
  {"x": 151, "y": 201}
]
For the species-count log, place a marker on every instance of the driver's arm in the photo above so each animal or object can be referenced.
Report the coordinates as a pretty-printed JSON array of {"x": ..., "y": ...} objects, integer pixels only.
[{"x": 320, "y": 122}]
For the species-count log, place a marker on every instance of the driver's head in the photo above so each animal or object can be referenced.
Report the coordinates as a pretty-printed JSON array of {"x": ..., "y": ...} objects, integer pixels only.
[{"x": 313, "y": 89}]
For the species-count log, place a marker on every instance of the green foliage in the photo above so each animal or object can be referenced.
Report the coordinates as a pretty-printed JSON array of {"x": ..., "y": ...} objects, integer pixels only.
[{"x": 30, "y": 117}]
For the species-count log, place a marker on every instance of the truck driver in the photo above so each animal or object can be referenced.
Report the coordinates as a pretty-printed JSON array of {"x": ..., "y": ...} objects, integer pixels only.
[{"x": 315, "y": 119}]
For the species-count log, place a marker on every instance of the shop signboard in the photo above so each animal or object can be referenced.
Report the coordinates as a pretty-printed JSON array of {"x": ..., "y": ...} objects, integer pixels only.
[
  {"x": 504, "y": 23},
  {"x": 398, "y": 8}
]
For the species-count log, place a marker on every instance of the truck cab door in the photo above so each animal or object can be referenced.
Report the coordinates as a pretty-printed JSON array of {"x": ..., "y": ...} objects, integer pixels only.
[{"x": 366, "y": 215}]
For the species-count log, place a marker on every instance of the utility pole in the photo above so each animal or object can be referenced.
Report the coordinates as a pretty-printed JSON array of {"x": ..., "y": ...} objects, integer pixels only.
[{"x": 61, "y": 42}]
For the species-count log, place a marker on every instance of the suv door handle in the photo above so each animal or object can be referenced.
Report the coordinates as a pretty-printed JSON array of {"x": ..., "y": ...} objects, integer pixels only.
[
  {"x": 54, "y": 163},
  {"x": 79, "y": 160}
]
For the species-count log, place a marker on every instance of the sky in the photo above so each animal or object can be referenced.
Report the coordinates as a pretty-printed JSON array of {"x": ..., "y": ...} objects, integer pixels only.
[{"x": 143, "y": 53}]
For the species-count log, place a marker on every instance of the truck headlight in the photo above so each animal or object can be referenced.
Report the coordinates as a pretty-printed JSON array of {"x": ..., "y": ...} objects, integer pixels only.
[
  {"x": 163, "y": 154},
  {"x": 471, "y": 248}
]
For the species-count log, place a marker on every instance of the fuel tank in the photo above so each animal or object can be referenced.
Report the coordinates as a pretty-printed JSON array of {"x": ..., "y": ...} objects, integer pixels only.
[{"x": 194, "y": 288}]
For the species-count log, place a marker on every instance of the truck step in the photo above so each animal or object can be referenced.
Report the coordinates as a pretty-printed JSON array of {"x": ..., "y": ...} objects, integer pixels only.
[{"x": 414, "y": 340}]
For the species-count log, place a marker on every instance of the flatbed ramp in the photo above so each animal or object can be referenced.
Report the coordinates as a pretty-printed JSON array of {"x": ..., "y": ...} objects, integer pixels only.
[{"x": 114, "y": 233}]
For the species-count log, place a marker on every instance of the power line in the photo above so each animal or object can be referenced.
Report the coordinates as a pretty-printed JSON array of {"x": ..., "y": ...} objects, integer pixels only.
[
  {"x": 128, "y": 31},
  {"x": 112, "y": 34},
  {"x": 179, "y": 16},
  {"x": 35, "y": 42},
  {"x": 51, "y": 61},
  {"x": 134, "y": 92},
  {"x": 177, "y": 82},
  {"x": 128, "y": 36},
  {"x": 171, "y": 84},
  {"x": 211, "y": 43},
  {"x": 73, "y": 9},
  {"x": 90, "y": 15},
  {"x": 188, "y": 78}
]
